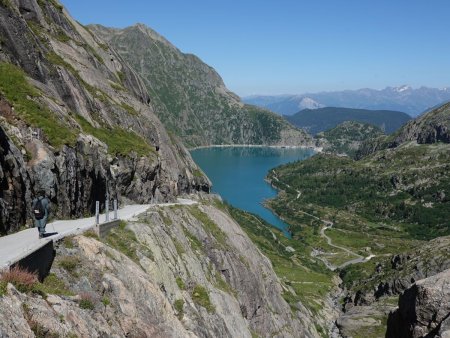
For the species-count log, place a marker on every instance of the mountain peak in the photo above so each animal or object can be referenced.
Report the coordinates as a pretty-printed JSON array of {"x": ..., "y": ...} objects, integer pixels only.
[{"x": 402, "y": 89}]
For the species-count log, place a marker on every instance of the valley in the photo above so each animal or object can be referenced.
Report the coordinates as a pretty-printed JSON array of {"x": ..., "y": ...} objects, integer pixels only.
[
  {"x": 236, "y": 221},
  {"x": 368, "y": 219}
]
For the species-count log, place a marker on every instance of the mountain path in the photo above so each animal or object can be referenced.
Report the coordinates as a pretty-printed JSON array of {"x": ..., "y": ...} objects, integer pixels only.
[{"x": 16, "y": 246}]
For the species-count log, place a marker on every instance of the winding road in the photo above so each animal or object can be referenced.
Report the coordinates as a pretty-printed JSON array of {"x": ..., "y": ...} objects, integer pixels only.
[{"x": 327, "y": 225}]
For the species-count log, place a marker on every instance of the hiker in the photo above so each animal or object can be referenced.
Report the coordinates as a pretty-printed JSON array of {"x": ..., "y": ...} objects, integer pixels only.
[{"x": 41, "y": 208}]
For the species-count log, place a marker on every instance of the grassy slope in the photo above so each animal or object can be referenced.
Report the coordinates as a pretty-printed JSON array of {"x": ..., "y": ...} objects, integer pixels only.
[{"x": 393, "y": 189}]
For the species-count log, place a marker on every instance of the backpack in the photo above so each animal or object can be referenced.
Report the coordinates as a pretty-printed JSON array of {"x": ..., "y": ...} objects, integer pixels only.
[{"x": 39, "y": 211}]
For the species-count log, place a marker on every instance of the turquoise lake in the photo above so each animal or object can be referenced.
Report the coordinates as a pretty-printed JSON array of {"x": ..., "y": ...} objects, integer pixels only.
[{"x": 238, "y": 173}]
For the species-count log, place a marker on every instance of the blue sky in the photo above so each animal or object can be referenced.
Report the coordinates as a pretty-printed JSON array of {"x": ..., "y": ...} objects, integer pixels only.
[{"x": 296, "y": 46}]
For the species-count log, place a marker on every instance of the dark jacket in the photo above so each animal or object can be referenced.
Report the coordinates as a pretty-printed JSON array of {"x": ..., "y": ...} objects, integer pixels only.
[{"x": 45, "y": 203}]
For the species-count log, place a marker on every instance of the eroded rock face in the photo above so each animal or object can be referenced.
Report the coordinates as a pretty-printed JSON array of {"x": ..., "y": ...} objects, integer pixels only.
[
  {"x": 424, "y": 309},
  {"x": 181, "y": 271},
  {"x": 431, "y": 127},
  {"x": 76, "y": 78}
]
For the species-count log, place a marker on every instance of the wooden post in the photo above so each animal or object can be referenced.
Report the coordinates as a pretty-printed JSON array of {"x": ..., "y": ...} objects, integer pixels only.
[{"x": 115, "y": 209}]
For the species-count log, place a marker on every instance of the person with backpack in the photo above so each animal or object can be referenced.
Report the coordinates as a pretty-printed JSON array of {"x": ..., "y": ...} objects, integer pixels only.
[{"x": 41, "y": 210}]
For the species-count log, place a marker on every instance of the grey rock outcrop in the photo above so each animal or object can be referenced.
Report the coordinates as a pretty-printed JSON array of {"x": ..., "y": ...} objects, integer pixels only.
[
  {"x": 84, "y": 88},
  {"x": 424, "y": 310},
  {"x": 181, "y": 271},
  {"x": 431, "y": 127}
]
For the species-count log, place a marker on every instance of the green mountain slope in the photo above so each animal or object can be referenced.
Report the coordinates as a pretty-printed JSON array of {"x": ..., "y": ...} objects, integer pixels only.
[
  {"x": 317, "y": 120},
  {"x": 372, "y": 218},
  {"x": 347, "y": 137},
  {"x": 191, "y": 99}
]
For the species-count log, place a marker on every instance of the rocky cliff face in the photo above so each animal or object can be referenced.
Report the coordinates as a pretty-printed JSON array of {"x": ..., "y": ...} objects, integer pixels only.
[
  {"x": 76, "y": 121},
  {"x": 181, "y": 271},
  {"x": 424, "y": 310},
  {"x": 431, "y": 127},
  {"x": 191, "y": 97}
]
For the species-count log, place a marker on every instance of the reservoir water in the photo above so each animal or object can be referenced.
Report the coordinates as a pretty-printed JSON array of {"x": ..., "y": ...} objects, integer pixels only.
[{"x": 238, "y": 173}]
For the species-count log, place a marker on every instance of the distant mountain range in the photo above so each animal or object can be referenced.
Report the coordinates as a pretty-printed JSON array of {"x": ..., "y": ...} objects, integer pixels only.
[
  {"x": 405, "y": 98},
  {"x": 321, "y": 119}
]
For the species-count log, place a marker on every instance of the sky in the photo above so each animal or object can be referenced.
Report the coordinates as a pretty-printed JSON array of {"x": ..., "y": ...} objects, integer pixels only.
[{"x": 297, "y": 46}]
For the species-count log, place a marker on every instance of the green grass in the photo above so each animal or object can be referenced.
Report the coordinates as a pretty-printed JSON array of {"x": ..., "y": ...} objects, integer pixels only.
[
  {"x": 62, "y": 37},
  {"x": 52, "y": 285},
  {"x": 197, "y": 173},
  {"x": 118, "y": 140},
  {"x": 130, "y": 110},
  {"x": 180, "y": 283},
  {"x": 220, "y": 283},
  {"x": 106, "y": 301},
  {"x": 56, "y": 5},
  {"x": 116, "y": 86},
  {"x": 70, "y": 264},
  {"x": 121, "y": 77},
  {"x": 104, "y": 46},
  {"x": 3, "y": 288},
  {"x": 91, "y": 234},
  {"x": 68, "y": 242},
  {"x": 179, "y": 247},
  {"x": 123, "y": 240},
  {"x": 22, "y": 95},
  {"x": 210, "y": 226},
  {"x": 179, "y": 305},
  {"x": 194, "y": 242},
  {"x": 166, "y": 219},
  {"x": 200, "y": 296},
  {"x": 86, "y": 304}
]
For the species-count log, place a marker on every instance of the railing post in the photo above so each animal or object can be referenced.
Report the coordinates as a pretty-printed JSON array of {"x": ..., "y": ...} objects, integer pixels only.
[
  {"x": 115, "y": 209},
  {"x": 97, "y": 212},
  {"x": 107, "y": 210}
]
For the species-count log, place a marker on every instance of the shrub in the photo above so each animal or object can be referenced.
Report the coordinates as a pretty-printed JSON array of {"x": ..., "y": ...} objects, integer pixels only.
[
  {"x": 200, "y": 296},
  {"x": 3, "y": 288},
  {"x": 179, "y": 304},
  {"x": 52, "y": 285},
  {"x": 22, "y": 279},
  {"x": 180, "y": 283},
  {"x": 106, "y": 301},
  {"x": 91, "y": 234},
  {"x": 68, "y": 242},
  {"x": 69, "y": 263},
  {"x": 87, "y": 301}
]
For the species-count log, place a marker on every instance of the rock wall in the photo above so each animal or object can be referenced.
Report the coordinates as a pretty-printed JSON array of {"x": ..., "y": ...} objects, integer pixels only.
[
  {"x": 180, "y": 271},
  {"x": 424, "y": 310},
  {"x": 75, "y": 77},
  {"x": 431, "y": 127}
]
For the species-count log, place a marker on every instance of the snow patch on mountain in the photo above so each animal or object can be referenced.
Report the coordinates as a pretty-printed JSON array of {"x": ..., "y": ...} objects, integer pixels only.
[{"x": 309, "y": 103}]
